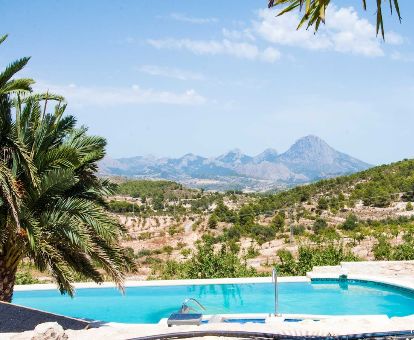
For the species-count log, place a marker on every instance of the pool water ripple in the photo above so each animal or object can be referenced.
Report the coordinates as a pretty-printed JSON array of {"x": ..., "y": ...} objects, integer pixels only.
[{"x": 150, "y": 304}]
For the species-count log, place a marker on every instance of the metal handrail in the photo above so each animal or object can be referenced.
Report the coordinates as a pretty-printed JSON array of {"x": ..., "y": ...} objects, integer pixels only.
[
  {"x": 274, "y": 280},
  {"x": 185, "y": 308}
]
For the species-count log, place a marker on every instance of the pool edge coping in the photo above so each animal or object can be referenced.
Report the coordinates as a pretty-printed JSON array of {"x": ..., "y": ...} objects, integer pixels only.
[
  {"x": 392, "y": 281},
  {"x": 155, "y": 283}
]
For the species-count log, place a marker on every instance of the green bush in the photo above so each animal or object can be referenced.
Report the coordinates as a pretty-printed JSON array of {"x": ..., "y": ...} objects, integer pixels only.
[
  {"x": 287, "y": 265},
  {"x": 319, "y": 225},
  {"x": 298, "y": 229},
  {"x": 262, "y": 234},
  {"x": 409, "y": 206},
  {"x": 350, "y": 223},
  {"x": 382, "y": 250},
  {"x": 122, "y": 206},
  {"x": 252, "y": 252},
  {"x": 323, "y": 203},
  {"x": 143, "y": 253},
  {"x": 205, "y": 263},
  {"x": 403, "y": 252},
  {"x": 278, "y": 222},
  {"x": 311, "y": 256},
  {"x": 212, "y": 221},
  {"x": 167, "y": 249},
  {"x": 25, "y": 278}
]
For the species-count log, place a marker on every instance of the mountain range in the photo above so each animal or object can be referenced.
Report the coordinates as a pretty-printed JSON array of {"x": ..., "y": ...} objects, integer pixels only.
[{"x": 309, "y": 159}]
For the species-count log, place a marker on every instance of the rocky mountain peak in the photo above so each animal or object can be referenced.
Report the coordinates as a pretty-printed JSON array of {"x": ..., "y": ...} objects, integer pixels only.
[
  {"x": 234, "y": 156},
  {"x": 268, "y": 155}
]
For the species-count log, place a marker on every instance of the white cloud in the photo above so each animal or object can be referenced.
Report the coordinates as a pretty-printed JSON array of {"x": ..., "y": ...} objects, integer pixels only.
[
  {"x": 111, "y": 96},
  {"x": 282, "y": 31},
  {"x": 241, "y": 50},
  {"x": 270, "y": 55},
  {"x": 245, "y": 34},
  {"x": 167, "y": 72},
  {"x": 405, "y": 57},
  {"x": 192, "y": 20},
  {"x": 344, "y": 32}
]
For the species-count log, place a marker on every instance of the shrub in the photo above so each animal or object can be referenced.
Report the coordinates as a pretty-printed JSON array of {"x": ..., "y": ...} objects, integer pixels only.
[
  {"x": 319, "y": 225},
  {"x": 252, "y": 252},
  {"x": 212, "y": 221},
  {"x": 288, "y": 265},
  {"x": 382, "y": 250},
  {"x": 409, "y": 206},
  {"x": 233, "y": 233},
  {"x": 167, "y": 249},
  {"x": 262, "y": 234},
  {"x": 311, "y": 256},
  {"x": 143, "y": 253},
  {"x": 403, "y": 252},
  {"x": 323, "y": 203},
  {"x": 246, "y": 216},
  {"x": 174, "y": 229},
  {"x": 350, "y": 223},
  {"x": 298, "y": 229},
  {"x": 278, "y": 222},
  {"x": 144, "y": 236},
  {"x": 205, "y": 263},
  {"x": 185, "y": 252},
  {"x": 25, "y": 278}
]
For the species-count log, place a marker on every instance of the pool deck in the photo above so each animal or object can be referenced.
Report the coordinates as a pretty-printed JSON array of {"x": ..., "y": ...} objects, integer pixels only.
[{"x": 400, "y": 274}]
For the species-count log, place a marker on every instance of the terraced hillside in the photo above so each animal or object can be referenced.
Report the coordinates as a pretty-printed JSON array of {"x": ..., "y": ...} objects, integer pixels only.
[
  {"x": 176, "y": 232},
  {"x": 367, "y": 215}
]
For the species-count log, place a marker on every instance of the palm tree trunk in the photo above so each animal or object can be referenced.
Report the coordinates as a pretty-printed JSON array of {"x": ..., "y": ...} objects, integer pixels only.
[{"x": 7, "y": 280}]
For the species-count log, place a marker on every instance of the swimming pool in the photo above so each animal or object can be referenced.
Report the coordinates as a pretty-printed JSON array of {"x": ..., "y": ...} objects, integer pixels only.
[{"x": 151, "y": 303}]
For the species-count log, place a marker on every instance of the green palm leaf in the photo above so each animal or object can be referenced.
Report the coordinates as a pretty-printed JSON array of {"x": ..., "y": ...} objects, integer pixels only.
[{"x": 315, "y": 11}]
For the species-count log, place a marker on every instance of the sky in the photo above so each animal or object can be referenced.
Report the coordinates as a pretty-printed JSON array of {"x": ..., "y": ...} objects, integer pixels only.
[{"x": 182, "y": 76}]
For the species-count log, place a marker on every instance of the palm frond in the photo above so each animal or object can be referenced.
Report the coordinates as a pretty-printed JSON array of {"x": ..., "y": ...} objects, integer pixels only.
[
  {"x": 315, "y": 11},
  {"x": 12, "y": 69},
  {"x": 3, "y": 38},
  {"x": 17, "y": 86},
  {"x": 9, "y": 192}
]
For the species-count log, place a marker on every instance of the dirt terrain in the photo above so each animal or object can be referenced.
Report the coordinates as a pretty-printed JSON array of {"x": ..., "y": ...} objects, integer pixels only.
[{"x": 168, "y": 237}]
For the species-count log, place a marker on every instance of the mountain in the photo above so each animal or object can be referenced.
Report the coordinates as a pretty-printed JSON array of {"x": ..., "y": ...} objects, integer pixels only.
[
  {"x": 233, "y": 158},
  {"x": 310, "y": 158},
  {"x": 314, "y": 158},
  {"x": 269, "y": 155}
]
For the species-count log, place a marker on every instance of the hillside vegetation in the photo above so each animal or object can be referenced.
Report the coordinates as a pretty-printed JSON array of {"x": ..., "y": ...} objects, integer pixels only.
[
  {"x": 375, "y": 187},
  {"x": 177, "y": 232}
]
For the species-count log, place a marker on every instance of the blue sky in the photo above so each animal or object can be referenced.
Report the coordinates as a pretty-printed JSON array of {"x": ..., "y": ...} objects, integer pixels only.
[{"x": 179, "y": 76}]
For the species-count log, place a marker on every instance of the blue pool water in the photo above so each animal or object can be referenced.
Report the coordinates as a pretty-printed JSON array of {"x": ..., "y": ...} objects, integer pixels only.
[{"x": 150, "y": 304}]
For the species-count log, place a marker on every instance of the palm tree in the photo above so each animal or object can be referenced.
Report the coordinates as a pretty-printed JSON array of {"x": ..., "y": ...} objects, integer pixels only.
[
  {"x": 9, "y": 188},
  {"x": 315, "y": 11},
  {"x": 52, "y": 204}
]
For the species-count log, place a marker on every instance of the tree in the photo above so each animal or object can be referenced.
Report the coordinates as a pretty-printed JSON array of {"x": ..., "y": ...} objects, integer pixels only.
[
  {"x": 278, "y": 222},
  {"x": 52, "y": 206},
  {"x": 212, "y": 221},
  {"x": 9, "y": 145},
  {"x": 315, "y": 11},
  {"x": 323, "y": 203},
  {"x": 350, "y": 223},
  {"x": 319, "y": 225},
  {"x": 246, "y": 216}
]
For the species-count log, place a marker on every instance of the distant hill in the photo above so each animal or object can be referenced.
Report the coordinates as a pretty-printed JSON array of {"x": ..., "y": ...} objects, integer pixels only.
[
  {"x": 307, "y": 160},
  {"x": 378, "y": 187}
]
